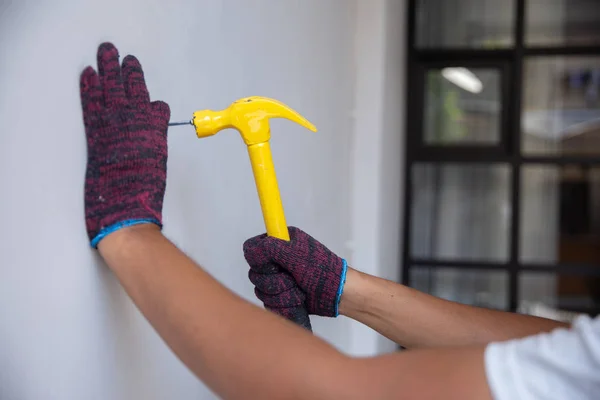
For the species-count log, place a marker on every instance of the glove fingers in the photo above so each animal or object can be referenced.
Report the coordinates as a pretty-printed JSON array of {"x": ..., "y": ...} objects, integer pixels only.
[
  {"x": 297, "y": 315},
  {"x": 293, "y": 297},
  {"x": 134, "y": 82},
  {"x": 161, "y": 113},
  {"x": 161, "y": 109},
  {"x": 110, "y": 75},
  {"x": 272, "y": 283},
  {"x": 261, "y": 250},
  {"x": 91, "y": 96},
  {"x": 254, "y": 251},
  {"x": 300, "y": 247},
  {"x": 90, "y": 90}
]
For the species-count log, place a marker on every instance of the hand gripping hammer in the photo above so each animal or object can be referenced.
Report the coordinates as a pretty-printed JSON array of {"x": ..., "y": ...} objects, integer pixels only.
[{"x": 250, "y": 116}]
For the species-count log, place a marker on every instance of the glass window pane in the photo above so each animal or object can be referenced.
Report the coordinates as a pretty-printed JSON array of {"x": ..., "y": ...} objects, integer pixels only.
[
  {"x": 480, "y": 24},
  {"x": 462, "y": 106},
  {"x": 474, "y": 287},
  {"x": 561, "y": 106},
  {"x": 560, "y": 215},
  {"x": 550, "y": 295},
  {"x": 460, "y": 211},
  {"x": 562, "y": 22}
]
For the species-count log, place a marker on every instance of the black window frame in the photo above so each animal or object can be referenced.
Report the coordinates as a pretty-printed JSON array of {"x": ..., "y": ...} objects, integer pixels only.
[
  {"x": 439, "y": 152},
  {"x": 508, "y": 151}
]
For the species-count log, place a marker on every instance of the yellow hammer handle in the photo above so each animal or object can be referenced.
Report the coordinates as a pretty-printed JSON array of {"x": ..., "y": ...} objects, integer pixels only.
[{"x": 268, "y": 190}]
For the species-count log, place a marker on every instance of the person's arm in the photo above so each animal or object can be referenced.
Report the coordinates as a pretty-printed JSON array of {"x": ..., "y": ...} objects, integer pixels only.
[
  {"x": 241, "y": 351},
  {"x": 415, "y": 319},
  {"x": 407, "y": 316}
]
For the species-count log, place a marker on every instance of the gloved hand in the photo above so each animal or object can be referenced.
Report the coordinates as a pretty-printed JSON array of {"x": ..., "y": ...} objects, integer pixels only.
[
  {"x": 280, "y": 294},
  {"x": 127, "y": 146},
  {"x": 318, "y": 272}
]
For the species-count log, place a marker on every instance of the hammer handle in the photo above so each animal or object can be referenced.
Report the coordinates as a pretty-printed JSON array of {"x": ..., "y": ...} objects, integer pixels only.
[
  {"x": 272, "y": 209},
  {"x": 268, "y": 190}
]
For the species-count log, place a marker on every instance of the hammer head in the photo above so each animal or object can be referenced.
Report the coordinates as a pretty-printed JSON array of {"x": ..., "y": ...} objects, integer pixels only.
[{"x": 250, "y": 116}]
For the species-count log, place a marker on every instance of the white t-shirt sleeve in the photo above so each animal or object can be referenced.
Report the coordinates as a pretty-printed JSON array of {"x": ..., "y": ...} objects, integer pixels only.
[{"x": 562, "y": 364}]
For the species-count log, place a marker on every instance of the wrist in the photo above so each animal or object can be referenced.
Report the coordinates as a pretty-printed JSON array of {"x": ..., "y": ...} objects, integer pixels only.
[
  {"x": 341, "y": 286},
  {"x": 352, "y": 299},
  {"x": 119, "y": 241},
  {"x": 117, "y": 226}
]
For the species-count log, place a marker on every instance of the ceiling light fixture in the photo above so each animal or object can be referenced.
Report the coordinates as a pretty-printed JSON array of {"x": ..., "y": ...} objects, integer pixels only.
[{"x": 463, "y": 78}]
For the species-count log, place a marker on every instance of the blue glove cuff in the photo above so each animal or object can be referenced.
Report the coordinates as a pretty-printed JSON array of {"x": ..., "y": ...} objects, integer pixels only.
[
  {"x": 121, "y": 224},
  {"x": 341, "y": 288}
]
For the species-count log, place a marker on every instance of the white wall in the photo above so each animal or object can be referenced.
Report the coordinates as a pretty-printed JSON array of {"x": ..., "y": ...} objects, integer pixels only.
[
  {"x": 67, "y": 330},
  {"x": 377, "y": 150}
]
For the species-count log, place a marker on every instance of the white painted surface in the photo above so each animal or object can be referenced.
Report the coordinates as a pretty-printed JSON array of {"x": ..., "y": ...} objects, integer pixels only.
[
  {"x": 377, "y": 151},
  {"x": 67, "y": 330}
]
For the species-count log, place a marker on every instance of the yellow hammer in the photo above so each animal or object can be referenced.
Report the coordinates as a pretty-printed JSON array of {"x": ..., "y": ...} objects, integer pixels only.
[{"x": 250, "y": 116}]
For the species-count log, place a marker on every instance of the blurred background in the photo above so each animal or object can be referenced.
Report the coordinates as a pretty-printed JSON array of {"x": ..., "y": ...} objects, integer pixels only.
[
  {"x": 458, "y": 152},
  {"x": 503, "y": 150}
]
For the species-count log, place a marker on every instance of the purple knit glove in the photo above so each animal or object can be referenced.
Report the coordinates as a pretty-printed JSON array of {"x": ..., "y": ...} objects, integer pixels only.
[
  {"x": 315, "y": 269},
  {"x": 281, "y": 295},
  {"x": 127, "y": 146}
]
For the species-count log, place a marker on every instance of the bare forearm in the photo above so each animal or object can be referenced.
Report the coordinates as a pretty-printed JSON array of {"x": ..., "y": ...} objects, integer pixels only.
[
  {"x": 242, "y": 351},
  {"x": 414, "y": 319},
  {"x": 233, "y": 346}
]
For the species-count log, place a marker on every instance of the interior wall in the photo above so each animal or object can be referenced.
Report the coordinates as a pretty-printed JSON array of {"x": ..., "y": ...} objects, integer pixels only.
[
  {"x": 67, "y": 330},
  {"x": 378, "y": 151},
  {"x": 391, "y": 175}
]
